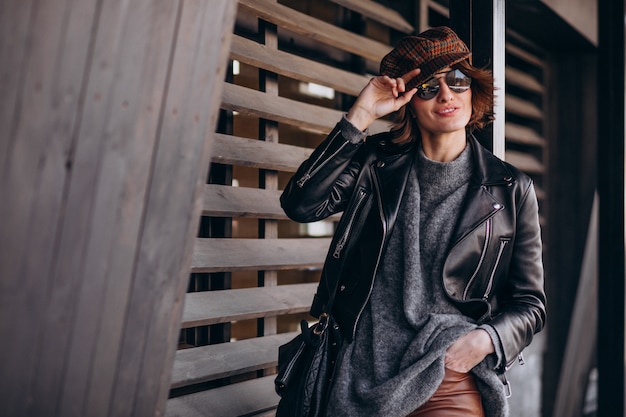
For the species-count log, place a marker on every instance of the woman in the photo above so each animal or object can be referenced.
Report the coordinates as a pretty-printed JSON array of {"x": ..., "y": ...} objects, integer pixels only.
[{"x": 437, "y": 257}]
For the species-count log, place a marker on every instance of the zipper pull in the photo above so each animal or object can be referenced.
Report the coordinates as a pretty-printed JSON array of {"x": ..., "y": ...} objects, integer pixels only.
[
  {"x": 520, "y": 359},
  {"x": 303, "y": 180},
  {"x": 338, "y": 250}
]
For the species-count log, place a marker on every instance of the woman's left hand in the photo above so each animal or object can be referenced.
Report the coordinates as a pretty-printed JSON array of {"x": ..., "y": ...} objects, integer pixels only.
[{"x": 469, "y": 350}]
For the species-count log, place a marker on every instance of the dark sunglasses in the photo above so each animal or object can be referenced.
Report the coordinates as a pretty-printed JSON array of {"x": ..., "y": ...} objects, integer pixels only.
[{"x": 455, "y": 79}]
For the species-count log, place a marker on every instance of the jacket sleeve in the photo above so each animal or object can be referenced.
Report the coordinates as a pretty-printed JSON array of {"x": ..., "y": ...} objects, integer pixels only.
[
  {"x": 523, "y": 309},
  {"x": 323, "y": 184}
]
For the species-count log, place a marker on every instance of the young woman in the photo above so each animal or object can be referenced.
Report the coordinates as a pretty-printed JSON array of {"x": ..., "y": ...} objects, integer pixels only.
[{"x": 437, "y": 257}]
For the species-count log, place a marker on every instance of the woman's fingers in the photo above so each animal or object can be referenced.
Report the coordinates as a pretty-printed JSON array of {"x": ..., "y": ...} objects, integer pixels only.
[{"x": 410, "y": 75}]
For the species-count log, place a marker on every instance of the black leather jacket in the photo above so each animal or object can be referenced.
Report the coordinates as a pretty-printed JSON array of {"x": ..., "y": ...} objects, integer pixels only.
[{"x": 493, "y": 271}]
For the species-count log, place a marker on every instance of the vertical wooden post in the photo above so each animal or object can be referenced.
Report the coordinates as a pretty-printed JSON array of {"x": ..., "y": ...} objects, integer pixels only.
[
  {"x": 481, "y": 24},
  {"x": 268, "y": 179},
  {"x": 611, "y": 193}
]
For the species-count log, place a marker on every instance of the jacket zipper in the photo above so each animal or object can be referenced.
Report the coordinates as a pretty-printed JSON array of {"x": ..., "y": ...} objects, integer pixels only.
[
  {"x": 342, "y": 241},
  {"x": 482, "y": 257},
  {"x": 310, "y": 172},
  {"x": 380, "y": 252},
  {"x": 503, "y": 244}
]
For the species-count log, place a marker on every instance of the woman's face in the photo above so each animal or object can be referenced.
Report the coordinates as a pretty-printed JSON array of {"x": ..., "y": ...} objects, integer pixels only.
[{"x": 447, "y": 111}]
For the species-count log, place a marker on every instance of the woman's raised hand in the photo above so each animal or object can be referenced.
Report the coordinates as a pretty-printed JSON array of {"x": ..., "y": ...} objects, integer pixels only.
[{"x": 380, "y": 97}]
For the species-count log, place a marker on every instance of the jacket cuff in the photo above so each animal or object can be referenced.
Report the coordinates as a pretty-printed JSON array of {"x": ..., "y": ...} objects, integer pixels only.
[
  {"x": 350, "y": 132},
  {"x": 497, "y": 343}
]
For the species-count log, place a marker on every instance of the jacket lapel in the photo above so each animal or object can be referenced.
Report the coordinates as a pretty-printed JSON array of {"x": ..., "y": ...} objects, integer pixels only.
[
  {"x": 480, "y": 203},
  {"x": 391, "y": 175}
]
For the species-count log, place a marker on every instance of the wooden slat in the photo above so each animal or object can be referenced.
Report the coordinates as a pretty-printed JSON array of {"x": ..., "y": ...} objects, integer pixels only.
[
  {"x": 523, "y": 135},
  {"x": 233, "y": 150},
  {"x": 378, "y": 12},
  {"x": 439, "y": 8},
  {"x": 523, "y": 80},
  {"x": 525, "y": 162},
  {"x": 255, "y": 103},
  {"x": 310, "y": 27},
  {"x": 524, "y": 55},
  {"x": 207, "y": 363},
  {"x": 221, "y": 255},
  {"x": 293, "y": 66},
  {"x": 242, "y": 399},
  {"x": 213, "y": 307},
  {"x": 227, "y": 201},
  {"x": 523, "y": 108}
]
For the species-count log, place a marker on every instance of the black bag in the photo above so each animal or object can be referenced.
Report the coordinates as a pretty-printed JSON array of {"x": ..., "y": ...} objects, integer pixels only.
[{"x": 305, "y": 369}]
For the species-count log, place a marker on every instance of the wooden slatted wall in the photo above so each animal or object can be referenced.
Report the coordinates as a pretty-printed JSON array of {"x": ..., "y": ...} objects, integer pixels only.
[{"x": 254, "y": 272}]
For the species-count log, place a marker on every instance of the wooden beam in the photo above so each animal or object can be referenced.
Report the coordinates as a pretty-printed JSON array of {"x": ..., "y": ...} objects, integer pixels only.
[
  {"x": 321, "y": 31},
  {"x": 252, "y": 397},
  {"x": 212, "y": 307},
  {"x": 293, "y": 66},
  {"x": 222, "y": 360},
  {"x": 233, "y": 150},
  {"x": 379, "y": 13},
  {"x": 217, "y": 255}
]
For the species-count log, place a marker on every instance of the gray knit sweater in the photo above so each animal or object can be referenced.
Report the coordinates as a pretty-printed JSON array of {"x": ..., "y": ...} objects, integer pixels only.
[{"x": 396, "y": 361}]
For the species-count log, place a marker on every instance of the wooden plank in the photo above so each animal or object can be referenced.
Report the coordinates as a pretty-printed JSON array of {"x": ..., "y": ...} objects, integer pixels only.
[
  {"x": 293, "y": 66},
  {"x": 308, "y": 116},
  {"x": 44, "y": 55},
  {"x": 227, "y": 201},
  {"x": 258, "y": 104},
  {"x": 378, "y": 12},
  {"x": 525, "y": 162},
  {"x": 247, "y": 398},
  {"x": 523, "y": 54},
  {"x": 524, "y": 80},
  {"x": 198, "y": 62},
  {"x": 212, "y": 307},
  {"x": 233, "y": 150},
  {"x": 523, "y": 108},
  {"x": 15, "y": 25},
  {"x": 113, "y": 168},
  {"x": 523, "y": 135},
  {"x": 207, "y": 363},
  {"x": 220, "y": 255},
  {"x": 310, "y": 27}
]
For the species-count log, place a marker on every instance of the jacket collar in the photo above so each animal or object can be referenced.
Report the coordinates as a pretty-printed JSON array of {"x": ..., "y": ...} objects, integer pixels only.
[
  {"x": 480, "y": 203},
  {"x": 489, "y": 169}
]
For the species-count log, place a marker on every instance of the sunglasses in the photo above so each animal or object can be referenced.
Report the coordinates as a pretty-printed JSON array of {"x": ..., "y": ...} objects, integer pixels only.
[{"x": 455, "y": 79}]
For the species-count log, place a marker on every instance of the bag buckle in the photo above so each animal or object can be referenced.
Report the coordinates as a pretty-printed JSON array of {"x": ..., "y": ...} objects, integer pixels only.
[{"x": 321, "y": 325}]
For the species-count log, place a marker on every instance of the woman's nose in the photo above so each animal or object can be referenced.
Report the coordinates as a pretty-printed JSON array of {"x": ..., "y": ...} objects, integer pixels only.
[{"x": 444, "y": 94}]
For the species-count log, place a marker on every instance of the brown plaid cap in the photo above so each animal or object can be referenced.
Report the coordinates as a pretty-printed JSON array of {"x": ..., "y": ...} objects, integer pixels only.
[{"x": 431, "y": 50}]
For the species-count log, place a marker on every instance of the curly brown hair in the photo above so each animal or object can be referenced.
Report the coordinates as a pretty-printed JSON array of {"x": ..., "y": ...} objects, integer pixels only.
[{"x": 405, "y": 129}]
